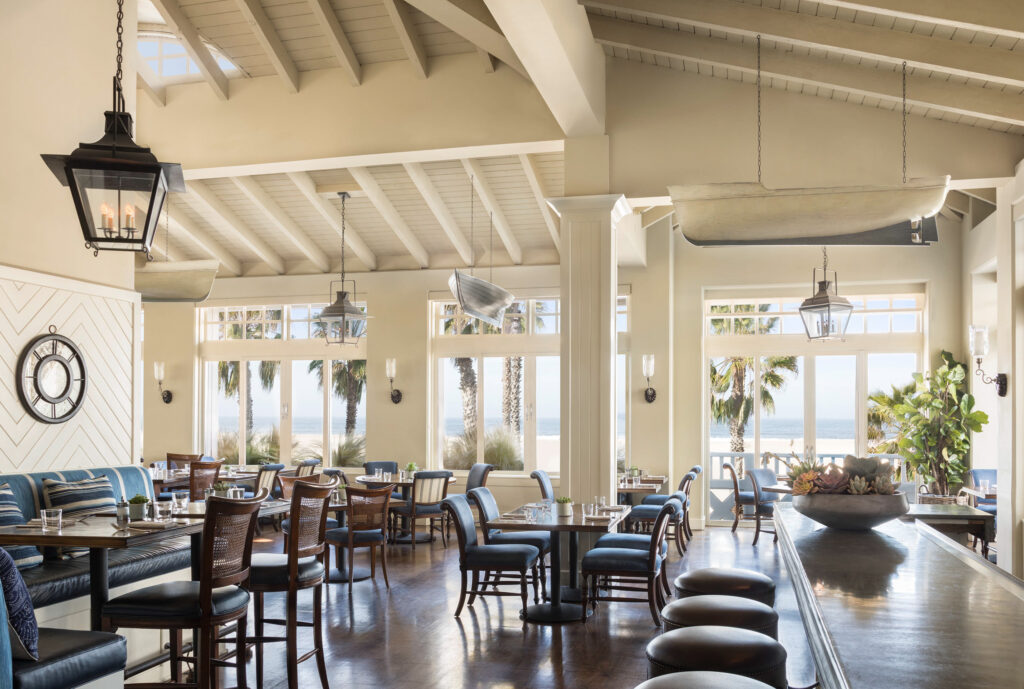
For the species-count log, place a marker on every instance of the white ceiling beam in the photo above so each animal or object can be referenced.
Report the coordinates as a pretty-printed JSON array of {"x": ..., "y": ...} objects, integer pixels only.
[
  {"x": 332, "y": 216},
  {"x": 979, "y": 182},
  {"x": 179, "y": 23},
  {"x": 471, "y": 20},
  {"x": 182, "y": 225},
  {"x": 654, "y": 214},
  {"x": 1000, "y": 17},
  {"x": 440, "y": 210},
  {"x": 207, "y": 204},
  {"x": 337, "y": 39},
  {"x": 167, "y": 254},
  {"x": 266, "y": 36},
  {"x": 554, "y": 43},
  {"x": 147, "y": 80},
  {"x": 398, "y": 10},
  {"x": 490, "y": 201},
  {"x": 807, "y": 30},
  {"x": 486, "y": 59},
  {"x": 963, "y": 99},
  {"x": 288, "y": 227},
  {"x": 391, "y": 216},
  {"x": 533, "y": 177}
]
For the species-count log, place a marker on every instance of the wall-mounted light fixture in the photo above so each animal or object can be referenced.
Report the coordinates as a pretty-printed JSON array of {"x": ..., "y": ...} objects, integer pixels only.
[
  {"x": 979, "y": 349},
  {"x": 391, "y": 368},
  {"x": 649, "y": 394},
  {"x": 158, "y": 373}
]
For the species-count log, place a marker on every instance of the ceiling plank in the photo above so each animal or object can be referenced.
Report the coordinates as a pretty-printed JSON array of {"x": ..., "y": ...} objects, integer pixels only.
[
  {"x": 490, "y": 201},
  {"x": 440, "y": 210},
  {"x": 472, "y": 20},
  {"x": 849, "y": 38},
  {"x": 554, "y": 43},
  {"x": 963, "y": 99},
  {"x": 391, "y": 216},
  {"x": 337, "y": 39},
  {"x": 179, "y": 23},
  {"x": 147, "y": 80},
  {"x": 291, "y": 230},
  {"x": 332, "y": 215},
  {"x": 533, "y": 177},
  {"x": 271, "y": 43},
  {"x": 171, "y": 255},
  {"x": 1000, "y": 17},
  {"x": 654, "y": 214},
  {"x": 182, "y": 225},
  {"x": 398, "y": 10},
  {"x": 215, "y": 211}
]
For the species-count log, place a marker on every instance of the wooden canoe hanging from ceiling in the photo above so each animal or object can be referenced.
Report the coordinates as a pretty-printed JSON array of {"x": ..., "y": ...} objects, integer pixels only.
[
  {"x": 185, "y": 281},
  {"x": 749, "y": 213}
]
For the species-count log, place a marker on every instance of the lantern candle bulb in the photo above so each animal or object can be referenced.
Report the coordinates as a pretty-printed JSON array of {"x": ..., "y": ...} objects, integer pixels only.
[{"x": 129, "y": 216}]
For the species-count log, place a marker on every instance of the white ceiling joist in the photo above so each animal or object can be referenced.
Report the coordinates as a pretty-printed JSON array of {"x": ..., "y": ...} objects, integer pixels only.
[
  {"x": 332, "y": 216},
  {"x": 171, "y": 255},
  {"x": 181, "y": 225},
  {"x": 391, "y": 216},
  {"x": 206, "y": 203},
  {"x": 180, "y": 24},
  {"x": 963, "y": 99},
  {"x": 807, "y": 30},
  {"x": 398, "y": 10},
  {"x": 483, "y": 190},
  {"x": 554, "y": 43},
  {"x": 533, "y": 177},
  {"x": 471, "y": 20},
  {"x": 147, "y": 80},
  {"x": 271, "y": 43},
  {"x": 486, "y": 59},
  {"x": 440, "y": 210},
  {"x": 1000, "y": 17},
  {"x": 288, "y": 227},
  {"x": 337, "y": 39}
]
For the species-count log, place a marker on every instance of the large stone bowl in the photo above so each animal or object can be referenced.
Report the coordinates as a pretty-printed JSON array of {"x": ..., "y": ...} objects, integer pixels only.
[{"x": 851, "y": 512}]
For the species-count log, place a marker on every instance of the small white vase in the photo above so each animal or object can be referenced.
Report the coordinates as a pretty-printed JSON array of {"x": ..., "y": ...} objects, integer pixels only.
[
  {"x": 137, "y": 511},
  {"x": 564, "y": 509}
]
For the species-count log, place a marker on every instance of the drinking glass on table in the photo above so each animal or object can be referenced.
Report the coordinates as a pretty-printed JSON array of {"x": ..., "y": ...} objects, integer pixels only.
[
  {"x": 163, "y": 510},
  {"x": 208, "y": 493},
  {"x": 51, "y": 519},
  {"x": 180, "y": 502},
  {"x": 236, "y": 493}
]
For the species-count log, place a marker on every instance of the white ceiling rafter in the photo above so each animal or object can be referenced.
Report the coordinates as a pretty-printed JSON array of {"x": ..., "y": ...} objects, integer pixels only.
[
  {"x": 181, "y": 225},
  {"x": 1000, "y": 17},
  {"x": 340, "y": 45},
  {"x": 179, "y": 23},
  {"x": 332, "y": 216},
  {"x": 533, "y": 177},
  {"x": 271, "y": 43},
  {"x": 483, "y": 190},
  {"x": 440, "y": 210},
  {"x": 148, "y": 81},
  {"x": 401, "y": 18},
  {"x": 391, "y": 216}
]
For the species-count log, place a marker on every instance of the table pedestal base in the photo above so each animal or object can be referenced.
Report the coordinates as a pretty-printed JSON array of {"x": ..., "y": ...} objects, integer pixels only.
[
  {"x": 407, "y": 538},
  {"x": 340, "y": 575},
  {"x": 571, "y": 594},
  {"x": 546, "y": 613}
]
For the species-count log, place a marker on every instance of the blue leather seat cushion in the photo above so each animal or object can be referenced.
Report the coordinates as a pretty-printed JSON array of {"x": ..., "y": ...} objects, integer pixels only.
[
  {"x": 655, "y": 499},
  {"x": 286, "y": 525},
  {"x": 175, "y": 600},
  {"x": 501, "y": 556},
  {"x": 71, "y": 658},
  {"x": 746, "y": 497},
  {"x": 421, "y": 510},
  {"x": 270, "y": 570},
  {"x": 986, "y": 507},
  {"x": 633, "y": 541},
  {"x": 341, "y": 536},
  {"x": 647, "y": 512},
  {"x": 541, "y": 540},
  {"x": 618, "y": 560}
]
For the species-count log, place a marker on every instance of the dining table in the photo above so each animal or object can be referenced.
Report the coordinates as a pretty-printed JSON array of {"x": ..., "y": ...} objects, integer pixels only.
[
  {"x": 563, "y": 605},
  {"x": 178, "y": 479},
  {"x": 404, "y": 485},
  {"x": 647, "y": 485}
]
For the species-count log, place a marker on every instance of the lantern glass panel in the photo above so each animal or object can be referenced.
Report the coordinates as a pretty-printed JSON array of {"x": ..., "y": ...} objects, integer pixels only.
[{"x": 119, "y": 209}]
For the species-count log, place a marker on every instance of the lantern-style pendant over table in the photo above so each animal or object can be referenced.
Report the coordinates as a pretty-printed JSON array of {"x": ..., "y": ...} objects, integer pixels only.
[{"x": 825, "y": 315}]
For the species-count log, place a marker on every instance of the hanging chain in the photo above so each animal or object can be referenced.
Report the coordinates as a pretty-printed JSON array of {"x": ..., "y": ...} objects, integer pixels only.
[
  {"x": 120, "y": 37},
  {"x": 344, "y": 195},
  {"x": 490, "y": 271},
  {"x": 904, "y": 121},
  {"x": 758, "y": 108},
  {"x": 824, "y": 262},
  {"x": 472, "y": 213}
]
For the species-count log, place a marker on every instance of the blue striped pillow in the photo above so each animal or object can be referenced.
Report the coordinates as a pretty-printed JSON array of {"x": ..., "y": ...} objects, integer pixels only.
[
  {"x": 78, "y": 497},
  {"x": 24, "y": 556}
]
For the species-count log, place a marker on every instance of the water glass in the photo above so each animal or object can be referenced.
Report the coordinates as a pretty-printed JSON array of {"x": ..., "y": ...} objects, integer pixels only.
[
  {"x": 163, "y": 509},
  {"x": 51, "y": 519},
  {"x": 378, "y": 473},
  {"x": 236, "y": 493},
  {"x": 602, "y": 501},
  {"x": 387, "y": 475},
  {"x": 984, "y": 485},
  {"x": 180, "y": 501},
  {"x": 636, "y": 481},
  {"x": 401, "y": 475},
  {"x": 208, "y": 493}
]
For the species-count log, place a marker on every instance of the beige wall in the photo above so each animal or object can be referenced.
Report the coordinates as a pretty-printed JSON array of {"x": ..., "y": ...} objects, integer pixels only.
[{"x": 170, "y": 337}]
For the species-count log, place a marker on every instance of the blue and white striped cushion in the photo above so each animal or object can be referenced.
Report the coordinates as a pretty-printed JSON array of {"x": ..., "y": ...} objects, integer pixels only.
[
  {"x": 24, "y": 556},
  {"x": 78, "y": 497}
]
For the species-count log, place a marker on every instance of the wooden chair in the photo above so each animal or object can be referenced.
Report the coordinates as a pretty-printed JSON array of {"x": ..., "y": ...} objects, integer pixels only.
[
  {"x": 202, "y": 475},
  {"x": 302, "y": 566},
  {"x": 287, "y": 484},
  {"x": 643, "y": 517},
  {"x": 202, "y": 606},
  {"x": 487, "y": 507},
  {"x": 180, "y": 461},
  {"x": 367, "y": 521},
  {"x": 763, "y": 503},
  {"x": 429, "y": 488},
  {"x": 266, "y": 479},
  {"x": 307, "y": 467}
]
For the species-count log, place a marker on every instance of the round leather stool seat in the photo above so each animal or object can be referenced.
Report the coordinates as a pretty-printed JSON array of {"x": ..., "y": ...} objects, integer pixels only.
[
  {"x": 719, "y": 649},
  {"x": 725, "y": 581},
  {"x": 724, "y": 611},
  {"x": 702, "y": 680}
]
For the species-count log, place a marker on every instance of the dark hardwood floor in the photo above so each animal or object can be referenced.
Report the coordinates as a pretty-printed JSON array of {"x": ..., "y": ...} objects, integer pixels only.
[{"x": 408, "y": 637}]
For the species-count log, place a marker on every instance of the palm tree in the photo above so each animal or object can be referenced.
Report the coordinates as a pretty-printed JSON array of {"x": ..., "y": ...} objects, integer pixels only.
[
  {"x": 229, "y": 377},
  {"x": 348, "y": 379},
  {"x": 883, "y": 431},
  {"x": 512, "y": 375},
  {"x": 467, "y": 373}
]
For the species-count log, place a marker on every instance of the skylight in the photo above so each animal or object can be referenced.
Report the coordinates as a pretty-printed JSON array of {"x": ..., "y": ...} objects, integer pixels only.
[{"x": 166, "y": 56}]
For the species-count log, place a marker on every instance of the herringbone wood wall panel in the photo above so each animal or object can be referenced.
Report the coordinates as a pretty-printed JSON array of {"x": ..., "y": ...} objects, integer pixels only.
[{"x": 103, "y": 326}]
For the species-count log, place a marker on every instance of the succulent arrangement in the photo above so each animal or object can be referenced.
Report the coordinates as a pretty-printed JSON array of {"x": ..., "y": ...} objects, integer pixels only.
[
  {"x": 220, "y": 486},
  {"x": 411, "y": 466},
  {"x": 565, "y": 500},
  {"x": 139, "y": 499},
  {"x": 857, "y": 476}
]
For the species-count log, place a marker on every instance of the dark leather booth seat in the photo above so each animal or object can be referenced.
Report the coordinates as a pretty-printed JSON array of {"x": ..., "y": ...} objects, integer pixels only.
[{"x": 70, "y": 659}]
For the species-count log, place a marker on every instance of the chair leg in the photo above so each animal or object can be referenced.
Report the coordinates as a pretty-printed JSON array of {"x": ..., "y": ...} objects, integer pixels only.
[
  {"x": 543, "y": 577},
  {"x": 318, "y": 636},
  {"x": 757, "y": 530},
  {"x": 412, "y": 532},
  {"x": 258, "y": 609},
  {"x": 680, "y": 538},
  {"x": 291, "y": 639},
  {"x": 327, "y": 563},
  {"x": 536, "y": 577},
  {"x": 689, "y": 529},
  {"x": 284, "y": 544},
  {"x": 384, "y": 564},
  {"x": 584, "y": 590},
  {"x": 462, "y": 594},
  {"x": 476, "y": 587},
  {"x": 523, "y": 594},
  {"x": 652, "y": 599},
  {"x": 351, "y": 564},
  {"x": 737, "y": 510},
  {"x": 373, "y": 562},
  {"x": 240, "y": 665},
  {"x": 204, "y": 666},
  {"x": 176, "y": 643},
  {"x": 664, "y": 582}
]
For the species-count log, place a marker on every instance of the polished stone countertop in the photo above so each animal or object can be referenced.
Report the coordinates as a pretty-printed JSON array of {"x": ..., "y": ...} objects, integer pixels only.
[{"x": 902, "y": 606}]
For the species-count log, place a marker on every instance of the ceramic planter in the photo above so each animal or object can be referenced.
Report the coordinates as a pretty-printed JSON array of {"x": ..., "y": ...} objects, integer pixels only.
[
  {"x": 137, "y": 511},
  {"x": 851, "y": 512},
  {"x": 564, "y": 509}
]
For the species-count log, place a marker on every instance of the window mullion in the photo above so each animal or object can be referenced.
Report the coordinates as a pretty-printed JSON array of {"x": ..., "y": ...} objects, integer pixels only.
[
  {"x": 243, "y": 427},
  {"x": 530, "y": 420}
]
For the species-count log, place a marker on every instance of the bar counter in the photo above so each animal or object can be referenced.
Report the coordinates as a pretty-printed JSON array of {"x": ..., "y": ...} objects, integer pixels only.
[{"x": 902, "y": 606}]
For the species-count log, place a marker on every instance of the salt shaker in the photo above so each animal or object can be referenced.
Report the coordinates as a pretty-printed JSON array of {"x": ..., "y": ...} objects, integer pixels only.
[{"x": 122, "y": 514}]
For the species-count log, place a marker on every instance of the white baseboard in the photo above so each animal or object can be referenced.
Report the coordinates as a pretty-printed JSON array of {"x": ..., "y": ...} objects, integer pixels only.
[{"x": 114, "y": 681}]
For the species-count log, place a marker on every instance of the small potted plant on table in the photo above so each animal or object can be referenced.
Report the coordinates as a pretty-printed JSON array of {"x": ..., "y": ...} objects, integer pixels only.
[
  {"x": 220, "y": 489},
  {"x": 137, "y": 507},
  {"x": 564, "y": 506}
]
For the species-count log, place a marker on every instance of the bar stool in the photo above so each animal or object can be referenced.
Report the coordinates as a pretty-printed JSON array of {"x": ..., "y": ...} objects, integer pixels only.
[
  {"x": 726, "y": 581},
  {"x": 719, "y": 649},
  {"x": 702, "y": 680},
  {"x": 724, "y": 611}
]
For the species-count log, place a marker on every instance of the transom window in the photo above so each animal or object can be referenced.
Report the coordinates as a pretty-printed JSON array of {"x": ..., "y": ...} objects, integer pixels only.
[
  {"x": 267, "y": 322},
  {"x": 166, "y": 56},
  {"x": 523, "y": 317},
  {"x": 871, "y": 315}
]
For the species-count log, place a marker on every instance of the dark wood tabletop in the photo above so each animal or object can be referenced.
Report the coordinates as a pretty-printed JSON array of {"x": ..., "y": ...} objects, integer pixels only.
[
  {"x": 97, "y": 532},
  {"x": 648, "y": 484},
  {"x": 371, "y": 480},
  {"x": 576, "y": 522},
  {"x": 197, "y": 510}
]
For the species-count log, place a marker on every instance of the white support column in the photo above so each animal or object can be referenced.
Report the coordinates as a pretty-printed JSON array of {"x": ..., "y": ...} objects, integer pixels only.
[{"x": 589, "y": 287}]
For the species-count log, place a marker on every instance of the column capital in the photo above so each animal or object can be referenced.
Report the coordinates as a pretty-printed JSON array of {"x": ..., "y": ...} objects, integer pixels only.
[{"x": 613, "y": 204}]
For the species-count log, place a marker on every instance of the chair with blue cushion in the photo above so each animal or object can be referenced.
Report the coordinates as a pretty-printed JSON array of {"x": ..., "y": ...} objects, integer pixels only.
[
  {"x": 429, "y": 489},
  {"x": 370, "y": 468},
  {"x": 762, "y": 503},
  {"x": 685, "y": 485},
  {"x": 643, "y": 517},
  {"x": 642, "y": 541},
  {"x": 979, "y": 475},
  {"x": 487, "y": 506},
  {"x": 266, "y": 479},
  {"x": 607, "y": 570},
  {"x": 366, "y": 527},
  {"x": 547, "y": 492},
  {"x": 508, "y": 563},
  {"x": 306, "y": 467},
  {"x": 287, "y": 485}
]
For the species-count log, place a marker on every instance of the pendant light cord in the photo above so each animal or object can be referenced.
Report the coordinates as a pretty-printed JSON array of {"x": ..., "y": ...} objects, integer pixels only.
[
  {"x": 904, "y": 121},
  {"x": 824, "y": 262},
  {"x": 344, "y": 195},
  {"x": 472, "y": 213},
  {"x": 758, "y": 108},
  {"x": 490, "y": 271}
]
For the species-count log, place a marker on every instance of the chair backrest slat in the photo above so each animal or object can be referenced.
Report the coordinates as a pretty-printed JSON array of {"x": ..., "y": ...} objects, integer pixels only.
[
  {"x": 370, "y": 468},
  {"x": 177, "y": 460},
  {"x": 267, "y": 477},
  {"x": 288, "y": 483},
  {"x": 202, "y": 475},
  {"x": 308, "y": 517},
  {"x": 367, "y": 509},
  {"x": 430, "y": 487},
  {"x": 306, "y": 467},
  {"x": 227, "y": 543}
]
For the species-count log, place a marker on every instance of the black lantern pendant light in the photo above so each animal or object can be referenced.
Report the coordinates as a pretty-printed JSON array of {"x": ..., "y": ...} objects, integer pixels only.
[
  {"x": 343, "y": 322},
  {"x": 825, "y": 315},
  {"x": 118, "y": 186}
]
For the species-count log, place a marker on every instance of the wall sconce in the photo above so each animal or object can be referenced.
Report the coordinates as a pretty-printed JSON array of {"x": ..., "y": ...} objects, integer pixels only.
[
  {"x": 158, "y": 373},
  {"x": 649, "y": 394},
  {"x": 390, "y": 367},
  {"x": 978, "y": 335}
]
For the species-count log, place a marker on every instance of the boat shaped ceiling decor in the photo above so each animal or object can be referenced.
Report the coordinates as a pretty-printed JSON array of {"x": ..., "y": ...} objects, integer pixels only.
[
  {"x": 749, "y": 213},
  {"x": 479, "y": 298},
  {"x": 183, "y": 281}
]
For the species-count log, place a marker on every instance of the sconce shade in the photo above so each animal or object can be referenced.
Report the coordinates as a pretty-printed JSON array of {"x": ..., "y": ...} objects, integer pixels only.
[
  {"x": 158, "y": 371},
  {"x": 479, "y": 298},
  {"x": 390, "y": 368},
  {"x": 978, "y": 341},
  {"x": 648, "y": 363}
]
